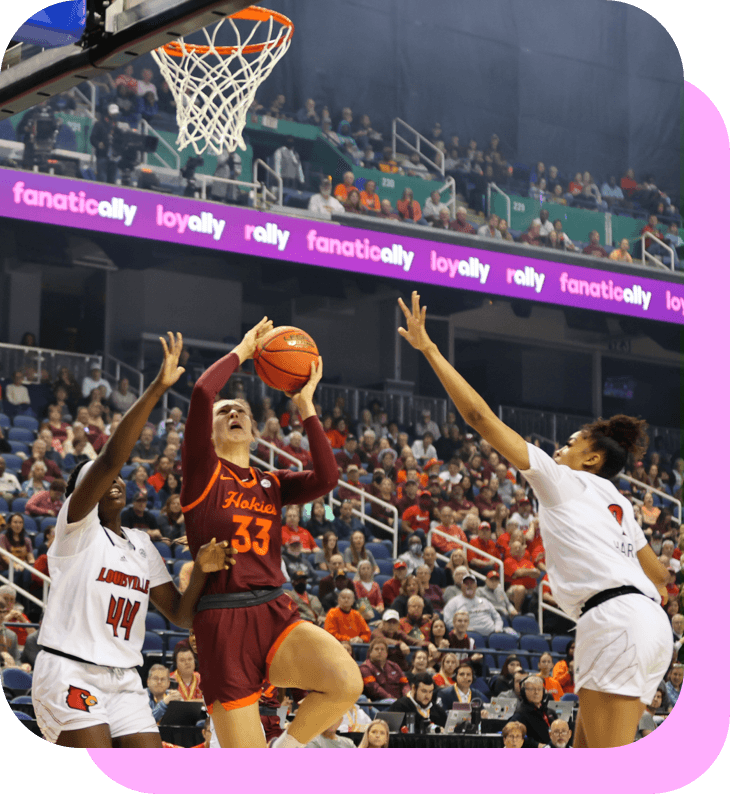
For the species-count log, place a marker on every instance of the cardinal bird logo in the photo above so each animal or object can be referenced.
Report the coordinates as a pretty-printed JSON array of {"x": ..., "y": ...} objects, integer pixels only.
[{"x": 80, "y": 699}]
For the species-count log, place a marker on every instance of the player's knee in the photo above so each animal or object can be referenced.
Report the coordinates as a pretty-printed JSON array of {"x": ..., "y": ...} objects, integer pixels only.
[{"x": 348, "y": 684}]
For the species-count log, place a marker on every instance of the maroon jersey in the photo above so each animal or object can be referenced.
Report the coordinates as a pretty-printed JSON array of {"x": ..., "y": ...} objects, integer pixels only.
[{"x": 242, "y": 505}]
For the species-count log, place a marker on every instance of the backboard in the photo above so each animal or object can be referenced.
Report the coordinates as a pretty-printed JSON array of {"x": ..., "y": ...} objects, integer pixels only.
[{"x": 113, "y": 36}]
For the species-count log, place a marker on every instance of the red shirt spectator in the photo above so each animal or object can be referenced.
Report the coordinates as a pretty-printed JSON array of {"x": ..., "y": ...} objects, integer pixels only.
[
  {"x": 382, "y": 678},
  {"x": 628, "y": 184},
  {"x": 460, "y": 223},
  {"x": 408, "y": 207},
  {"x": 485, "y": 543},
  {"x": 392, "y": 588},
  {"x": 594, "y": 248},
  {"x": 512, "y": 565},
  {"x": 47, "y": 503},
  {"x": 439, "y": 542}
]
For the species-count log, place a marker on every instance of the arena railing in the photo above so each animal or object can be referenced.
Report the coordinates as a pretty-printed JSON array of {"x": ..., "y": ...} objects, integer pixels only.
[
  {"x": 363, "y": 516},
  {"x": 15, "y": 357},
  {"x": 492, "y": 186},
  {"x": 275, "y": 452},
  {"x": 541, "y": 606},
  {"x": 114, "y": 369},
  {"x": 655, "y": 260},
  {"x": 467, "y": 548},
  {"x": 12, "y": 562},
  {"x": 662, "y": 494},
  {"x": 420, "y": 139}
]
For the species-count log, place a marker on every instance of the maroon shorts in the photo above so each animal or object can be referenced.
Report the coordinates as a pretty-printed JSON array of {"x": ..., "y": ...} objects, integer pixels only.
[{"x": 236, "y": 646}]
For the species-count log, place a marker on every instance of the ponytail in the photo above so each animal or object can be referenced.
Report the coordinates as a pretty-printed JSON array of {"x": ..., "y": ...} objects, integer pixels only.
[{"x": 618, "y": 438}]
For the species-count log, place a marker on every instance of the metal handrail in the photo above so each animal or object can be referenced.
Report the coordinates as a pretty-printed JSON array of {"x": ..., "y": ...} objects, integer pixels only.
[
  {"x": 206, "y": 178},
  {"x": 417, "y": 147},
  {"x": 450, "y": 184},
  {"x": 41, "y": 354},
  {"x": 662, "y": 494},
  {"x": 467, "y": 547},
  {"x": 493, "y": 186},
  {"x": 148, "y": 129},
  {"x": 116, "y": 374},
  {"x": 654, "y": 259},
  {"x": 541, "y": 605},
  {"x": 276, "y": 451},
  {"x": 365, "y": 517},
  {"x": 278, "y": 199},
  {"x": 13, "y": 560},
  {"x": 90, "y": 101}
]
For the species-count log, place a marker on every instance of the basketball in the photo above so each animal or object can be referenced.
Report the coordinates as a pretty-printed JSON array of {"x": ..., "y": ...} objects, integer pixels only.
[{"x": 284, "y": 357}]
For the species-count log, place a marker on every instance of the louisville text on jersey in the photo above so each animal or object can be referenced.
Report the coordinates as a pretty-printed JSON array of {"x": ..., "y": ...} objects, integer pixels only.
[{"x": 123, "y": 580}]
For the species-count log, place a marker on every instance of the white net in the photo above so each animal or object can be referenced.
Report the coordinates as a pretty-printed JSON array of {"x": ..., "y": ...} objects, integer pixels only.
[{"x": 215, "y": 85}]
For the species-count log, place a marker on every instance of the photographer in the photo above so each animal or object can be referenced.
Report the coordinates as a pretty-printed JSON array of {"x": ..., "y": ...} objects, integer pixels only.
[
  {"x": 102, "y": 138},
  {"x": 420, "y": 701},
  {"x": 38, "y": 131}
]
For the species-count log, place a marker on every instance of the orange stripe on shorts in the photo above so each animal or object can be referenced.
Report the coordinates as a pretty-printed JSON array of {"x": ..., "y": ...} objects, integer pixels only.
[
  {"x": 275, "y": 647},
  {"x": 230, "y": 705}
]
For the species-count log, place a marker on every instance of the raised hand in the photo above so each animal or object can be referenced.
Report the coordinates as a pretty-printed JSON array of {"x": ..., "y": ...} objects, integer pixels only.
[
  {"x": 170, "y": 372},
  {"x": 304, "y": 398},
  {"x": 215, "y": 556},
  {"x": 248, "y": 344},
  {"x": 416, "y": 334}
]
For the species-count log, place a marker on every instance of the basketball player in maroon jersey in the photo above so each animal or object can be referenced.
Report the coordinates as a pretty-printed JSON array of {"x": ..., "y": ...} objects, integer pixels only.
[{"x": 247, "y": 628}]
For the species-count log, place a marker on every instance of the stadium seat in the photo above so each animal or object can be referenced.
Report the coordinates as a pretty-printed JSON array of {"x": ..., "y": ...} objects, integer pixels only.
[
  {"x": 502, "y": 642},
  {"x": 560, "y": 643},
  {"x": 488, "y": 662},
  {"x": 22, "y": 716},
  {"x": 127, "y": 470},
  {"x": 481, "y": 686},
  {"x": 12, "y": 462},
  {"x": 47, "y": 521},
  {"x": 17, "y": 680},
  {"x": 28, "y": 422},
  {"x": 20, "y": 434},
  {"x": 570, "y": 696},
  {"x": 18, "y": 505},
  {"x": 379, "y": 550},
  {"x": 38, "y": 540},
  {"x": 287, "y": 586},
  {"x": 30, "y": 524},
  {"x": 4, "y": 506},
  {"x": 19, "y": 447},
  {"x": 181, "y": 553},
  {"x": 534, "y": 643},
  {"x": 164, "y": 549},
  {"x": 381, "y": 579},
  {"x": 321, "y": 574},
  {"x": 386, "y": 567},
  {"x": 24, "y": 705},
  {"x": 479, "y": 644},
  {"x": 502, "y": 658},
  {"x": 4, "y": 421},
  {"x": 152, "y": 642},
  {"x": 342, "y": 545},
  {"x": 155, "y": 621},
  {"x": 524, "y": 624},
  {"x": 388, "y": 545}
]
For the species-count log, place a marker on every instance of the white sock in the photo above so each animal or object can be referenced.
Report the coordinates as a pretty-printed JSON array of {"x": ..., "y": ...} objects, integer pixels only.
[{"x": 285, "y": 740}]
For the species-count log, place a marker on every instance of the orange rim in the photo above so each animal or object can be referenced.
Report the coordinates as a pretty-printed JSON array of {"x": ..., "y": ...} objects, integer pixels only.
[{"x": 252, "y": 13}]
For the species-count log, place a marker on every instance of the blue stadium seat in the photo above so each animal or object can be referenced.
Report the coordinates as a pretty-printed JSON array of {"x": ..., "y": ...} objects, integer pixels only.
[
  {"x": 502, "y": 642},
  {"x": 23, "y": 705},
  {"x": 388, "y": 545},
  {"x": 38, "y": 540},
  {"x": 379, "y": 550},
  {"x": 18, "y": 447},
  {"x": 481, "y": 686},
  {"x": 366, "y": 479},
  {"x": 152, "y": 642},
  {"x": 30, "y": 524},
  {"x": 381, "y": 579},
  {"x": 12, "y": 462},
  {"x": 20, "y": 434},
  {"x": 560, "y": 643},
  {"x": 570, "y": 696},
  {"x": 16, "y": 679},
  {"x": 524, "y": 624},
  {"x": 46, "y": 522},
  {"x": 479, "y": 643},
  {"x": 127, "y": 470},
  {"x": 18, "y": 505},
  {"x": 534, "y": 643},
  {"x": 181, "y": 553},
  {"x": 164, "y": 549},
  {"x": 321, "y": 574},
  {"x": 386, "y": 567},
  {"x": 287, "y": 586},
  {"x": 28, "y": 422},
  {"x": 4, "y": 420},
  {"x": 4, "y": 506},
  {"x": 155, "y": 621},
  {"x": 342, "y": 545},
  {"x": 21, "y": 716},
  {"x": 488, "y": 662}
]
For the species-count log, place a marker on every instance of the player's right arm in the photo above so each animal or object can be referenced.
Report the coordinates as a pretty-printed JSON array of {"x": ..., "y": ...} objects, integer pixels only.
[
  {"x": 118, "y": 448},
  {"x": 468, "y": 402}
]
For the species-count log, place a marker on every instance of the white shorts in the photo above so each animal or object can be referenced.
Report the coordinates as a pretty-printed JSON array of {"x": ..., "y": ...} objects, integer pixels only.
[
  {"x": 623, "y": 646},
  {"x": 68, "y": 696}
]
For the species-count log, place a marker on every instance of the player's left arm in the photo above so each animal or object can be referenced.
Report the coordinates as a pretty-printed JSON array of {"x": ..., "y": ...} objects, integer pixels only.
[{"x": 179, "y": 608}]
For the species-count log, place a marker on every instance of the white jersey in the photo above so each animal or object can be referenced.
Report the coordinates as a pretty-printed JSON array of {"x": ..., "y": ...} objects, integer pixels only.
[
  {"x": 589, "y": 532},
  {"x": 99, "y": 593}
]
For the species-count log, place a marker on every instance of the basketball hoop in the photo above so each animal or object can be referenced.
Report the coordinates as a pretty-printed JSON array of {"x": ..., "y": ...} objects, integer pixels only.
[{"x": 213, "y": 85}]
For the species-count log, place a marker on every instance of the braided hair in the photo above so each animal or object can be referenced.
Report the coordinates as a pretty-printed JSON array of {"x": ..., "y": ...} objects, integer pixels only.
[{"x": 618, "y": 438}]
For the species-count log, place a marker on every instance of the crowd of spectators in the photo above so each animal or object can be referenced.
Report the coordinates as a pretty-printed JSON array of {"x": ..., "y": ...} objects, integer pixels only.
[
  {"x": 459, "y": 511},
  {"x": 138, "y": 92}
]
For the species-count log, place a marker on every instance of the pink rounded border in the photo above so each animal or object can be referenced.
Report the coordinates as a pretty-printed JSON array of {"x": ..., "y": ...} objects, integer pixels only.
[{"x": 640, "y": 767}]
